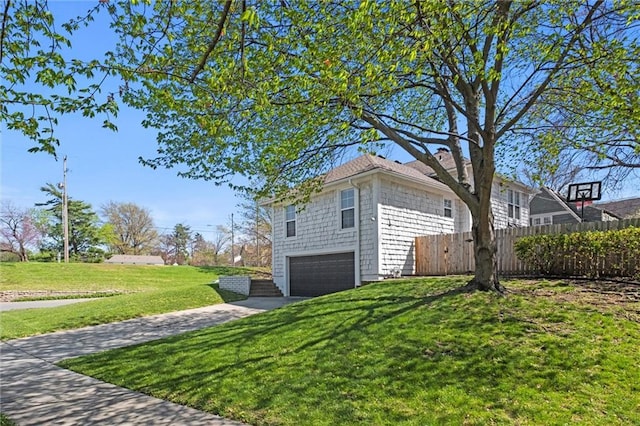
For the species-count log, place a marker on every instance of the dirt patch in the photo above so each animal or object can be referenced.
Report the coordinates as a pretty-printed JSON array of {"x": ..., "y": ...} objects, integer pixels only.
[
  {"x": 14, "y": 295},
  {"x": 619, "y": 298}
]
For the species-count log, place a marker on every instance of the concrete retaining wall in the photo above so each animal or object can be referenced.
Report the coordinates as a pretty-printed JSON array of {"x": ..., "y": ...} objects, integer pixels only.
[{"x": 237, "y": 283}]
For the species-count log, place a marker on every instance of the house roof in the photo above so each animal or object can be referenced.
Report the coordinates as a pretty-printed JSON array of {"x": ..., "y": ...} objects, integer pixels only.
[
  {"x": 130, "y": 259},
  {"x": 415, "y": 170},
  {"x": 624, "y": 208},
  {"x": 367, "y": 162},
  {"x": 447, "y": 161},
  {"x": 444, "y": 157}
]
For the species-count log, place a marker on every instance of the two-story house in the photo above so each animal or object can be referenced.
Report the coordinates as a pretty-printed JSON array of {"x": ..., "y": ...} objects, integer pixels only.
[{"x": 362, "y": 226}]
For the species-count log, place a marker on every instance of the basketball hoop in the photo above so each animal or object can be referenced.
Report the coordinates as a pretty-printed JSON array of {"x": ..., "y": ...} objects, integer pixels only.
[{"x": 585, "y": 194}]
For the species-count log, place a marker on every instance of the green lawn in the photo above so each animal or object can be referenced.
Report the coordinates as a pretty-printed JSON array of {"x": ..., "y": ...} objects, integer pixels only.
[
  {"x": 145, "y": 290},
  {"x": 6, "y": 421},
  {"x": 411, "y": 352}
]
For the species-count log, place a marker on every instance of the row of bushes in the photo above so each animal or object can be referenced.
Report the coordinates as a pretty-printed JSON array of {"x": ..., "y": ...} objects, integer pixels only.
[{"x": 593, "y": 254}]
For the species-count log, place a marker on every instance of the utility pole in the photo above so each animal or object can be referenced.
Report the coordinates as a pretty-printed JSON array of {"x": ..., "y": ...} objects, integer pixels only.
[
  {"x": 233, "y": 259},
  {"x": 258, "y": 260},
  {"x": 65, "y": 210}
]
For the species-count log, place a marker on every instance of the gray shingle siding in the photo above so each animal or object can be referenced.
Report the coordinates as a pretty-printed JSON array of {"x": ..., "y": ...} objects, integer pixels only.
[
  {"x": 543, "y": 203},
  {"x": 394, "y": 204}
]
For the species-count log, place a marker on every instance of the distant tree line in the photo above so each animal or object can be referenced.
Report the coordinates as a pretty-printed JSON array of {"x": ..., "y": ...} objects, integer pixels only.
[{"x": 36, "y": 234}]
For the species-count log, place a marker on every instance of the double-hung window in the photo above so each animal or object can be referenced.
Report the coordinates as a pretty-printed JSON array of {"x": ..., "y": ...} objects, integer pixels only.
[
  {"x": 448, "y": 208},
  {"x": 513, "y": 204},
  {"x": 290, "y": 220},
  {"x": 347, "y": 209}
]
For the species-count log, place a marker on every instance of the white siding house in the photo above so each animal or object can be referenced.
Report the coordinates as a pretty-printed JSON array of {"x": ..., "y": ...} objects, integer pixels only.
[{"x": 362, "y": 226}]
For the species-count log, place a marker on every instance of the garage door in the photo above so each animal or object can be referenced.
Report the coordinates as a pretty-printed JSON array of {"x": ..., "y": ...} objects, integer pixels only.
[{"x": 318, "y": 275}]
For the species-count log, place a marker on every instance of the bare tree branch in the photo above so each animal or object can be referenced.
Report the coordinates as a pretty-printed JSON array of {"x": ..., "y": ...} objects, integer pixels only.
[{"x": 553, "y": 72}]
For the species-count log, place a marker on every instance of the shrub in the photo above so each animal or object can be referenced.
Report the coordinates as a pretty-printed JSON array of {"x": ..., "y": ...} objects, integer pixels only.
[
  {"x": 44, "y": 256},
  {"x": 593, "y": 254},
  {"x": 6, "y": 256}
]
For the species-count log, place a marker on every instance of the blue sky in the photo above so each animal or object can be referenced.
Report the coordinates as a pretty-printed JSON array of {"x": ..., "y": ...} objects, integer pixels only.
[{"x": 103, "y": 165}]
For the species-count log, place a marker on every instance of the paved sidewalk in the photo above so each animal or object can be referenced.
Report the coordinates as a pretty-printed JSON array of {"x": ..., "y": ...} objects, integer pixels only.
[
  {"x": 33, "y": 391},
  {"x": 12, "y": 306}
]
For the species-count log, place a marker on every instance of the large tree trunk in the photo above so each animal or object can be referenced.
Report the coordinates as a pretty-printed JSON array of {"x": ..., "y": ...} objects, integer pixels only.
[
  {"x": 482, "y": 227},
  {"x": 24, "y": 257},
  {"x": 486, "y": 257}
]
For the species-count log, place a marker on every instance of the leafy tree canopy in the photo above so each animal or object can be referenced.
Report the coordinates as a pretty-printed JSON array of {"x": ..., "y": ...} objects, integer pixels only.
[
  {"x": 279, "y": 90},
  {"x": 591, "y": 114},
  {"x": 40, "y": 79},
  {"x": 85, "y": 231},
  {"x": 132, "y": 228}
]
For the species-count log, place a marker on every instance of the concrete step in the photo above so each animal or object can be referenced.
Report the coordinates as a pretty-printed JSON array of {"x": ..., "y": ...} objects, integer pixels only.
[{"x": 264, "y": 288}]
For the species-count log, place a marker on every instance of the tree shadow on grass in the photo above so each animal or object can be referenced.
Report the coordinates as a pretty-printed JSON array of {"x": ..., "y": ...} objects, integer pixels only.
[
  {"x": 247, "y": 345},
  {"x": 336, "y": 354}
]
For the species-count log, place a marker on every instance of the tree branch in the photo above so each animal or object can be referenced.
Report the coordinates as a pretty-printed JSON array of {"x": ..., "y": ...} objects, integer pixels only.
[
  {"x": 553, "y": 72},
  {"x": 5, "y": 16},
  {"x": 491, "y": 93},
  {"x": 214, "y": 42},
  {"x": 425, "y": 157}
]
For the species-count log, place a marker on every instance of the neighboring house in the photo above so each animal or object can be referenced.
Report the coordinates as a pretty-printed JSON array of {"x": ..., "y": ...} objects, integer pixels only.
[
  {"x": 362, "y": 226},
  {"x": 624, "y": 209},
  {"x": 129, "y": 259},
  {"x": 547, "y": 207}
]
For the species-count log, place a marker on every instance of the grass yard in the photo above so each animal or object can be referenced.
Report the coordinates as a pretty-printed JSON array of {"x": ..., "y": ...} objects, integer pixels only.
[
  {"x": 143, "y": 290},
  {"x": 412, "y": 352},
  {"x": 6, "y": 421}
]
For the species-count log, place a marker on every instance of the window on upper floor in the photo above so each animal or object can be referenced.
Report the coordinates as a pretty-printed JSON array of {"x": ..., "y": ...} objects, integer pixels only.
[
  {"x": 347, "y": 209},
  {"x": 513, "y": 204},
  {"x": 448, "y": 208},
  {"x": 290, "y": 220}
]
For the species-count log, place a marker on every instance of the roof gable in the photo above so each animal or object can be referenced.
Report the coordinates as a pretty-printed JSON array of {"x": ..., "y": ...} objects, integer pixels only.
[
  {"x": 547, "y": 201},
  {"x": 367, "y": 162}
]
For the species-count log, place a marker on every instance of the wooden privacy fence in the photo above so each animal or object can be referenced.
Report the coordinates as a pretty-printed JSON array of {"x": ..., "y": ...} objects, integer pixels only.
[{"x": 446, "y": 254}]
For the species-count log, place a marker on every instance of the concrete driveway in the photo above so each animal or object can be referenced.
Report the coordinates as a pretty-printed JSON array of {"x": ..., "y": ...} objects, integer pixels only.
[{"x": 34, "y": 391}]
